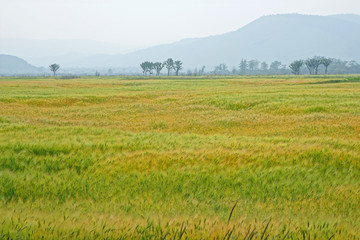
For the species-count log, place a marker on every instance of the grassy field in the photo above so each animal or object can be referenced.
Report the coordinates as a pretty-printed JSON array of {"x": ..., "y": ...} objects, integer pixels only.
[{"x": 180, "y": 158}]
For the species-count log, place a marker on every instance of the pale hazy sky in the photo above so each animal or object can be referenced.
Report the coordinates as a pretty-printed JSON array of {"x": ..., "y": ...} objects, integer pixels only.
[{"x": 146, "y": 22}]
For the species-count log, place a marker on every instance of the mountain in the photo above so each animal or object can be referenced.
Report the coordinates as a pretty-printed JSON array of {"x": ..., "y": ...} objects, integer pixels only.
[
  {"x": 284, "y": 37},
  {"x": 13, "y": 65},
  {"x": 64, "y": 51},
  {"x": 348, "y": 17}
]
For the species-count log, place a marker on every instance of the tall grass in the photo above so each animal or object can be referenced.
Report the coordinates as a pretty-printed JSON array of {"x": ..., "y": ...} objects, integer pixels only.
[{"x": 122, "y": 158}]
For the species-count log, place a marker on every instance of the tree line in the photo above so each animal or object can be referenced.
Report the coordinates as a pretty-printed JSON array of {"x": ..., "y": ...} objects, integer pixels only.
[
  {"x": 276, "y": 67},
  {"x": 169, "y": 64},
  {"x": 251, "y": 67},
  {"x": 314, "y": 65}
]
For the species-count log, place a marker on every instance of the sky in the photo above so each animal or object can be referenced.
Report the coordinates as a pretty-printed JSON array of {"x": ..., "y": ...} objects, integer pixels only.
[{"x": 147, "y": 22}]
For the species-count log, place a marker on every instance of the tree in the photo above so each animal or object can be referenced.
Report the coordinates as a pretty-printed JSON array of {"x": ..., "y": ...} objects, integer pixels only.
[
  {"x": 253, "y": 65},
  {"x": 54, "y": 67},
  {"x": 147, "y": 67},
  {"x": 326, "y": 62},
  {"x": 221, "y": 69},
  {"x": 150, "y": 67},
  {"x": 317, "y": 61},
  {"x": 233, "y": 71},
  {"x": 202, "y": 70},
  {"x": 169, "y": 64},
  {"x": 158, "y": 67},
  {"x": 310, "y": 66},
  {"x": 313, "y": 64},
  {"x": 274, "y": 66},
  {"x": 243, "y": 66},
  {"x": 264, "y": 66},
  {"x": 352, "y": 67},
  {"x": 295, "y": 66},
  {"x": 144, "y": 67},
  {"x": 177, "y": 67}
]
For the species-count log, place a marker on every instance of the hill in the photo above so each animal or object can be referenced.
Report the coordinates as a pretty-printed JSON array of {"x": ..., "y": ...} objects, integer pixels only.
[
  {"x": 15, "y": 65},
  {"x": 348, "y": 17},
  {"x": 67, "y": 52},
  {"x": 278, "y": 37},
  {"x": 284, "y": 37}
]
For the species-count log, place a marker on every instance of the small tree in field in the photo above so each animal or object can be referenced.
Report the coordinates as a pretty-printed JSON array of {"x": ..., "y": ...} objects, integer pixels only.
[{"x": 54, "y": 67}]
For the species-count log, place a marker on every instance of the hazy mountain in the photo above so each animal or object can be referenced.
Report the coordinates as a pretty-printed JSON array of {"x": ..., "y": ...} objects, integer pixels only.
[
  {"x": 285, "y": 37},
  {"x": 278, "y": 37},
  {"x": 65, "y": 52},
  {"x": 348, "y": 17},
  {"x": 14, "y": 65}
]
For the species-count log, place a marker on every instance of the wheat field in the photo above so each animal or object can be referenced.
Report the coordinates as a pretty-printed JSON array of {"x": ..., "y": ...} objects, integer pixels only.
[{"x": 215, "y": 157}]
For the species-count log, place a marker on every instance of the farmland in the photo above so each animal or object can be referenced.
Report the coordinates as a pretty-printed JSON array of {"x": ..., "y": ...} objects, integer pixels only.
[{"x": 180, "y": 158}]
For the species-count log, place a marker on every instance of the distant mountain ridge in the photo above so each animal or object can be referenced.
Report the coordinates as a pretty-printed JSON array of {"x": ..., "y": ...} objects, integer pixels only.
[
  {"x": 67, "y": 51},
  {"x": 278, "y": 37},
  {"x": 348, "y": 17},
  {"x": 284, "y": 37},
  {"x": 15, "y": 65}
]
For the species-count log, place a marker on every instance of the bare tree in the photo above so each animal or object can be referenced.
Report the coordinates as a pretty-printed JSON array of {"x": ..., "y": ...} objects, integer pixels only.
[{"x": 54, "y": 67}]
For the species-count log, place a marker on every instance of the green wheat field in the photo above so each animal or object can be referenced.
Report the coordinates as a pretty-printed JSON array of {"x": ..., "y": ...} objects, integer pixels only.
[{"x": 274, "y": 157}]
